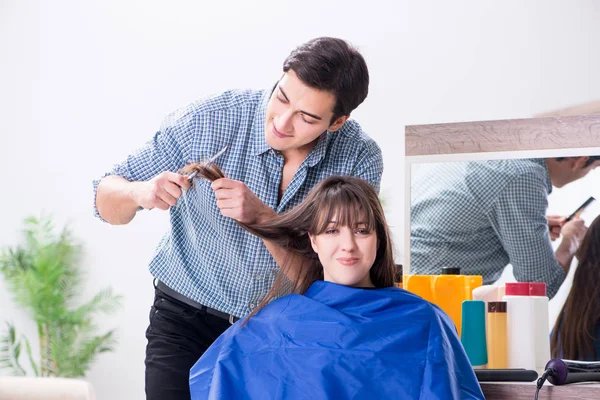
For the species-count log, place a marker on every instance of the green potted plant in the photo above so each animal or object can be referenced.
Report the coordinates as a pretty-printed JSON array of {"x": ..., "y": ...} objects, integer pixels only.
[{"x": 44, "y": 276}]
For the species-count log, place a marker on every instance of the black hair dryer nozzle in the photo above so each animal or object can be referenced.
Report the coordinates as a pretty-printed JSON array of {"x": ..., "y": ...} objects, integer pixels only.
[{"x": 571, "y": 371}]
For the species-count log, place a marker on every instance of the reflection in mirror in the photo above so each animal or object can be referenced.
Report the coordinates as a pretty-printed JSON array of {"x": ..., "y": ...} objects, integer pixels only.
[
  {"x": 493, "y": 198},
  {"x": 480, "y": 216},
  {"x": 486, "y": 215}
]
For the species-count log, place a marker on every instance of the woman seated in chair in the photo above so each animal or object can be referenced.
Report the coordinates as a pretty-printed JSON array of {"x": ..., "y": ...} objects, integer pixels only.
[
  {"x": 576, "y": 334},
  {"x": 344, "y": 331}
]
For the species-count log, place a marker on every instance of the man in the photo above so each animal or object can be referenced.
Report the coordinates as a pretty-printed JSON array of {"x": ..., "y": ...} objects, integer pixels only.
[
  {"x": 280, "y": 143},
  {"x": 482, "y": 215}
]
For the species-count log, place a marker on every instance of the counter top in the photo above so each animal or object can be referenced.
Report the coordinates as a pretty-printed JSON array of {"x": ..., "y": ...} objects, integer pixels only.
[{"x": 526, "y": 391}]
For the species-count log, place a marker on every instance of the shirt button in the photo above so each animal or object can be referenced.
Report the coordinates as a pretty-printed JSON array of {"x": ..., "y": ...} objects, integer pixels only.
[
  {"x": 252, "y": 306},
  {"x": 258, "y": 277}
]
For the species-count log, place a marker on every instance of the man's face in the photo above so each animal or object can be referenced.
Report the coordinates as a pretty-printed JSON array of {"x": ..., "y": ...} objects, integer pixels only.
[
  {"x": 297, "y": 115},
  {"x": 572, "y": 169}
]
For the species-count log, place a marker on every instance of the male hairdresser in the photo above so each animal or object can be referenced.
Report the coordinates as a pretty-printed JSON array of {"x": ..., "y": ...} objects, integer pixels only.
[
  {"x": 280, "y": 143},
  {"x": 482, "y": 215}
]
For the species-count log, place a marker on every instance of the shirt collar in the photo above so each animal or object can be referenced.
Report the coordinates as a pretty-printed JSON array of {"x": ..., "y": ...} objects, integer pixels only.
[
  {"x": 318, "y": 152},
  {"x": 259, "y": 143}
]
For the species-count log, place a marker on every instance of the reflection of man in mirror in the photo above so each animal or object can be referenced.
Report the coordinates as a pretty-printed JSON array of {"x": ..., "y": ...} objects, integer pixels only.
[{"x": 482, "y": 215}]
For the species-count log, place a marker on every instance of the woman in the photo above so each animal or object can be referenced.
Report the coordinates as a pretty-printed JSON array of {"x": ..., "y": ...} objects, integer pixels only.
[
  {"x": 576, "y": 332},
  {"x": 345, "y": 331}
]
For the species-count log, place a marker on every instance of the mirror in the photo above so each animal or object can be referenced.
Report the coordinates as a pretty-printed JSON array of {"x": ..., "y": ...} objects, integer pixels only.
[{"x": 449, "y": 148}]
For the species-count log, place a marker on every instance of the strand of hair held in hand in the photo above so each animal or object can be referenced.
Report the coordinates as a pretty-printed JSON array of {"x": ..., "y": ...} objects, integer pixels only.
[
  {"x": 205, "y": 169},
  {"x": 210, "y": 171}
]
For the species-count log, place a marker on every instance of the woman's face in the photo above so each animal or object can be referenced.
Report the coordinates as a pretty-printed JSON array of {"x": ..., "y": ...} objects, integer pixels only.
[{"x": 347, "y": 254}]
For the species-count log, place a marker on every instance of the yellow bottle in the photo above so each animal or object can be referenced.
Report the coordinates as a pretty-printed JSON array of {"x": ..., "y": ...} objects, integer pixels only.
[
  {"x": 497, "y": 335},
  {"x": 419, "y": 285},
  {"x": 448, "y": 290}
]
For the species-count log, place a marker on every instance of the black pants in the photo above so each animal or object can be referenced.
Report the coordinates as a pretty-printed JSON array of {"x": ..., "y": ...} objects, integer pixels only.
[{"x": 177, "y": 336}]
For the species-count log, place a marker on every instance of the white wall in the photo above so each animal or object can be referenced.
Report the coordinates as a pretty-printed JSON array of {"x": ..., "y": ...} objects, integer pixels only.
[{"x": 84, "y": 83}]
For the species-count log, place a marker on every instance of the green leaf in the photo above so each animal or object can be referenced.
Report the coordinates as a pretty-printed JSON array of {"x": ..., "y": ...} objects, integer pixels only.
[
  {"x": 44, "y": 276},
  {"x": 30, "y": 356},
  {"x": 10, "y": 351}
]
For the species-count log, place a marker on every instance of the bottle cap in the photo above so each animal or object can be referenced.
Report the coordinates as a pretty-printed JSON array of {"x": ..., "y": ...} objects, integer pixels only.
[
  {"x": 516, "y": 289},
  {"x": 450, "y": 271},
  {"x": 537, "y": 289},
  {"x": 497, "y": 306}
]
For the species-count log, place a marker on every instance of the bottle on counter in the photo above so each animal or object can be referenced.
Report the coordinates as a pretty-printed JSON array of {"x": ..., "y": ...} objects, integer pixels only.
[
  {"x": 451, "y": 289},
  {"x": 398, "y": 276},
  {"x": 497, "y": 335},
  {"x": 473, "y": 336},
  {"x": 537, "y": 291},
  {"x": 447, "y": 290},
  {"x": 528, "y": 341}
]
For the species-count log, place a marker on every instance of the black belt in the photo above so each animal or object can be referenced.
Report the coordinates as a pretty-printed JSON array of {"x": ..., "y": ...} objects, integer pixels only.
[{"x": 178, "y": 296}]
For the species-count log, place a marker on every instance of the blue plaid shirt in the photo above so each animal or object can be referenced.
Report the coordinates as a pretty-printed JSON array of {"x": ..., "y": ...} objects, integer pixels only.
[
  {"x": 208, "y": 257},
  {"x": 480, "y": 216}
]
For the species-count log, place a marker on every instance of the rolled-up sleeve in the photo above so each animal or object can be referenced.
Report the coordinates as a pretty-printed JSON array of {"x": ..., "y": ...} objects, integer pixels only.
[
  {"x": 519, "y": 218},
  {"x": 166, "y": 151}
]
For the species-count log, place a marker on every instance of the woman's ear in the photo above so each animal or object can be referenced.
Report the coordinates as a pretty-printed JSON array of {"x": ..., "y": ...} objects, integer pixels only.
[{"x": 313, "y": 242}]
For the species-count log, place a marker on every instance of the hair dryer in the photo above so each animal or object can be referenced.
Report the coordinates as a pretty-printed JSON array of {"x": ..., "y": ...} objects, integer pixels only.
[{"x": 570, "y": 371}]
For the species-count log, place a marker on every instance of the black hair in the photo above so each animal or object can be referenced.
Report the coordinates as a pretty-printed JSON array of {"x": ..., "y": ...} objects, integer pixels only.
[
  {"x": 589, "y": 162},
  {"x": 333, "y": 65}
]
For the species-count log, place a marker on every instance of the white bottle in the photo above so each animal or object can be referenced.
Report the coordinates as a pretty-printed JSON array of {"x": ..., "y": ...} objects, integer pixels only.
[
  {"x": 537, "y": 291},
  {"x": 519, "y": 313},
  {"x": 486, "y": 293},
  {"x": 528, "y": 342}
]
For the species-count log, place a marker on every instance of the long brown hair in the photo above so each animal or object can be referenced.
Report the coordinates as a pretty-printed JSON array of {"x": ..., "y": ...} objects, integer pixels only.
[
  {"x": 574, "y": 332},
  {"x": 205, "y": 169},
  {"x": 350, "y": 200}
]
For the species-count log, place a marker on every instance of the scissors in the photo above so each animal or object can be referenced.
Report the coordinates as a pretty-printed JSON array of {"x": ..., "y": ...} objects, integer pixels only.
[{"x": 210, "y": 161}]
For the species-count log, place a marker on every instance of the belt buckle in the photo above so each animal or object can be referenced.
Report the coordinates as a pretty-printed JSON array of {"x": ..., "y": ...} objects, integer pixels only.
[{"x": 231, "y": 319}]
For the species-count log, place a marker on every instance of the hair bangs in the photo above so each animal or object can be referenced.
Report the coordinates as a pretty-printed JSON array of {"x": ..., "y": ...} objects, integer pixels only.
[{"x": 342, "y": 206}]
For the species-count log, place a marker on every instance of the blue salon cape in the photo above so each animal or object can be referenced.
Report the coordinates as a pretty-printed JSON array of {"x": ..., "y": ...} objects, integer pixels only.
[{"x": 338, "y": 342}]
